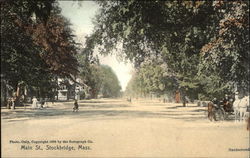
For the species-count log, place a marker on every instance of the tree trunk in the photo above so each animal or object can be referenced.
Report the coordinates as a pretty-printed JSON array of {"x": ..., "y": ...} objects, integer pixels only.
[
  {"x": 25, "y": 94},
  {"x": 184, "y": 98},
  {"x": 8, "y": 104},
  {"x": 184, "y": 101},
  {"x": 57, "y": 88},
  {"x": 68, "y": 92},
  {"x": 17, "y": 96},
  {"x": 4, "y": 100}
]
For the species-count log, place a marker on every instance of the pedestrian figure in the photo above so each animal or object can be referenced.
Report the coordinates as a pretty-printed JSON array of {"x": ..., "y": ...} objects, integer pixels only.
[
  {"x": 129, "y": 99},
  {"x": 13, "y": 103},
  {"x": 42, "y": 103},
  {"x": 177, "y": 96},
  {"x": 248, "y": 124},
  {"x": 227, "y": 103},
  {"x": 75, "y": 108},
  {"x": 34, "y": 102}
]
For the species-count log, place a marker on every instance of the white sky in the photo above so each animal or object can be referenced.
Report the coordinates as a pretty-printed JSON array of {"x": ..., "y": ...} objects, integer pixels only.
[{"x": 81, "y": 18}]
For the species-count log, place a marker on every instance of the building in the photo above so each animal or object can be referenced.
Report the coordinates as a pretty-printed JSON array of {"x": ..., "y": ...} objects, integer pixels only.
[{"x": 71, "y": 90}]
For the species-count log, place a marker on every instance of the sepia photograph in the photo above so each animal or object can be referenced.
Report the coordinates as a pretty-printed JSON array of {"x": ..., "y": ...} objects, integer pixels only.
[{"x": 125, "y": 79}]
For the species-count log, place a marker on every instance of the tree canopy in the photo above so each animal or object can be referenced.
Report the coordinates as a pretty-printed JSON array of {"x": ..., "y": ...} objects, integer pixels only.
[
  {"x": 198, "y": 47},
  {"x": 110, "y": 83},
  {"x": 37, "y": 44},
  {"x": 195, "y": 39}
]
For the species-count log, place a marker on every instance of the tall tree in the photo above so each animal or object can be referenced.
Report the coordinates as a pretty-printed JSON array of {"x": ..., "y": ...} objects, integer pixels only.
[
  {"x": 225, "y": 59},
  {"x": 175, "y": 31},
  {"x": 37, "y": 44},
  {"x": 110, "y": 83}
]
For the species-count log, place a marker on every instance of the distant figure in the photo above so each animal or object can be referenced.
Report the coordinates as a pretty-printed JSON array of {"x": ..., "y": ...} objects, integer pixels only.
[
  {"x": 228, "y": 103},
  {"x": 9, "y": 103},
  {"x": 210, "y": 111},
  {"x": 42, "y": 103},
  {"x": 13, "y": 99},
  {"x": 177, "y": 97},
  {"x": 129, "y": 99},
  {"x": 216, "y": 102},
  {"x": 225, "y": 99},
  {"x": 248, "y": 123},
  {"x": 34, "y": 102},
  {"x": 165, "y": 99},
  {"x": 75, "y": 108}
]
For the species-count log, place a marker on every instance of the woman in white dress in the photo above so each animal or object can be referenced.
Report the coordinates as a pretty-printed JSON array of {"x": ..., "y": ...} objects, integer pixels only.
[{"x": 34, "y": 103}]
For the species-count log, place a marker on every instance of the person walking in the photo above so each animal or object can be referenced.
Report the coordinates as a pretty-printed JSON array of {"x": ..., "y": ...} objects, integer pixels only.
[
  {"x": 177, "y": 96},
  {"x": 34, "y": 102},
  {"x": 13, "y": 100},
  {"x": 75, "y": 108}
]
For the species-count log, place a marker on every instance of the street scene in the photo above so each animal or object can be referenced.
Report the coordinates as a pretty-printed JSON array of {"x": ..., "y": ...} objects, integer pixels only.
[
  {"x": 125, "y": 79},
  {"x": 142, "y": 128}
]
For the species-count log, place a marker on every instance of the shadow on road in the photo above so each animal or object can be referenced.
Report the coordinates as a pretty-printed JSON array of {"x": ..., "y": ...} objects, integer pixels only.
[
  {"x": 95, "y": 114},
  {"x": 100, "y": 110}
]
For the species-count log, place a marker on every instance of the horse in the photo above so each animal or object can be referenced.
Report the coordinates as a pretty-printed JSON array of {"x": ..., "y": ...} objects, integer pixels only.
[
  {"x": 215, "y": 111},
  {"x": 240, "y": 108},
  {"x": 244, "y": 107}
]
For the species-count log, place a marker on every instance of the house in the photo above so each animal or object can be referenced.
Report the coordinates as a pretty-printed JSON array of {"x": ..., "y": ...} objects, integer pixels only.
[{"x": 71, "y": 90}]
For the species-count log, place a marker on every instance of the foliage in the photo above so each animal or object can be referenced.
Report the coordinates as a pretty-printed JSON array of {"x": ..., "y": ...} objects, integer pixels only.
[
  {"x": 134, "y": 86},
  {"x": 93, "y": 79},
  {"x": 20, "y": 59},
  {"x": 36, "y": 45},
  {"x": 110, "y": 83},
  {"x": 226, "y": 56},
  {"x": 178, "y": 32},
  {"x": 152, "y": 77},
  {"x": 57, "y": 42},
  {"x": 100, "y": 79}
]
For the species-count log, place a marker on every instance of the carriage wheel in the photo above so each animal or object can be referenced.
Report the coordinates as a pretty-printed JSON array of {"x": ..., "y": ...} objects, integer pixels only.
[
  {"x": 219, "y": 115},
  {"x": 226, "y": 115}
]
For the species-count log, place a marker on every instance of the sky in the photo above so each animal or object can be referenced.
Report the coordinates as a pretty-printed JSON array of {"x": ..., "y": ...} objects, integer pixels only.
[{"x": 81, "y": 15}]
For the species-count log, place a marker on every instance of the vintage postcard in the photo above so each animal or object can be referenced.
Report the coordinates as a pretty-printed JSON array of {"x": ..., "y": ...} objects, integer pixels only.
[{"x": 115, "y": 79}]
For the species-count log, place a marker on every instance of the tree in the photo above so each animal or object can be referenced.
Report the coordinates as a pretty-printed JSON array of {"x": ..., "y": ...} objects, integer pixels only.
[
  {"x": 92, "y": 77},
  {"x": 57, "y": 42},
  {"x": 175, "y": 32},
  {"x": 134, "y": 87},
  {"x": 152, "y": 77},
  {"x": 110, "y": 83},
  {"x": 225, "y": 59},
  {"x": 37, "y": 45}
]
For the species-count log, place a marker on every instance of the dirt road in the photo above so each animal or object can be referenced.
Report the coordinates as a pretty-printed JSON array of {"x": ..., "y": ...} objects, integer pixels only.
[{"x": 117, "y": 128}]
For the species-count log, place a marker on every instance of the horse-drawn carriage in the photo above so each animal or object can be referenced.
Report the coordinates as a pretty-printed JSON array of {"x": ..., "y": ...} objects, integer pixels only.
[{"x": 220, "y": 110}]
